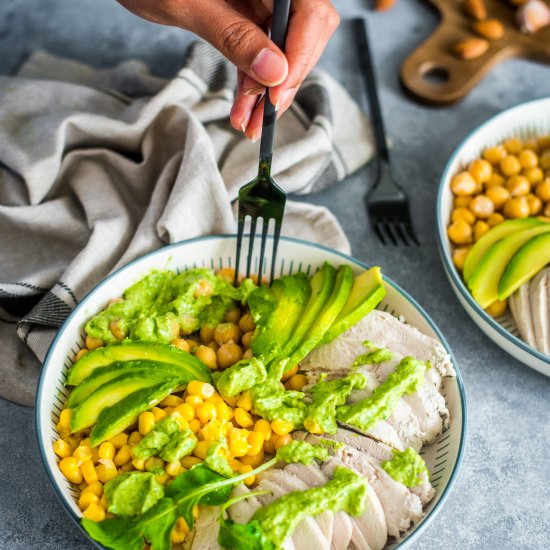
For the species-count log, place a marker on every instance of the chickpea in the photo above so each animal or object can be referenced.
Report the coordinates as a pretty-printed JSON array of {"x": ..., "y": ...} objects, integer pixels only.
[
  {"x": 495, "y": 219},
  {"x": 204, "y": 289},
  {"x": 229, "y": 354},
  {"x": 480, "y": 228},
  {"x": 246, "y": 323},
  {"x": 93, "y": 343},
  {"x": 206, "y": 333},
  {"x": 528, "y": 159},
  {"x": 513, "y": 146},
  {"x": 208, "y": 356},
  {"x": 233, "y": 315},
  {"x": 543, "y": 142},
  {"x": 544, "y": 160},
  {"x": 459, "y": 256},
  {"x": 482, "y": 206},
  {"x": 542, "y": 190},
  {"x": 480, "y": 170},
  {"x": 498, "y": 195},
  {"x": 518, "y": 186},
  {"x": 116, "y": 328},
  {"x": 213, "y": 345},
  {"x": 463, "y": 184},
  {"x": 510, "y": 166},
  {"x": 516, "y": 207},
  {"x": 463, "y": 214},
  {"x": 225, "y": 332},
  {"x": 495, "y": 179},
  {"x": 462, "y": 201},
  {"x": 248, "y": 354},
  {"x": 533, "y": 175},
  {"x": 531, "y": 144},
  {"x": 247, "y": 339},
  {"x": 193, "y": 345},
  {"x": 494, "y": 154},
  {"x": 546, "y": 210},
  {"x": 497, "y": 308},
  {"x": 534, "y": 203},
  {"x": 460, "y": 232},
  {"x": 181, "y": 344},
  {"x": 228, "y": 274}
]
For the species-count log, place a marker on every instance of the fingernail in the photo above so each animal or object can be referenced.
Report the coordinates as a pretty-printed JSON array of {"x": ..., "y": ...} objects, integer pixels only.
[
  {"x": 255, "y": 136},
  {"x": 256, "y": 90},
  {"x": 246, "y": 120},
  {"x": 285, "y": 99},
  {"x": 269, "y": 67}
]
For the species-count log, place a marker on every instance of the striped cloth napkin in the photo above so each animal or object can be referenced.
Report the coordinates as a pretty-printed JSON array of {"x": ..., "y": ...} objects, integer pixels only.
[{"x": 98, "y": 167}]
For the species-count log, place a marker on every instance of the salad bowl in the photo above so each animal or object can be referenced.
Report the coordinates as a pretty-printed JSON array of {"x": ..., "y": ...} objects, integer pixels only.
[
  {"x": 526, "y": 121},
  {"x": 443, "y": 457}
]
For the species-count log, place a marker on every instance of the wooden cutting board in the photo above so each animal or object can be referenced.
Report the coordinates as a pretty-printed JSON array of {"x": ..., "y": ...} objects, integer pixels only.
[{"x": 433, "y": 73}]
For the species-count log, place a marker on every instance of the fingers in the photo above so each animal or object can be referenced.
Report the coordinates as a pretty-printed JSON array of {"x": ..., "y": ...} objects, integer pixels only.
[
  {"x": 243, "y": 105},
  {"x": 240, "y": 40},
  {"x": 311, "y": 25}
]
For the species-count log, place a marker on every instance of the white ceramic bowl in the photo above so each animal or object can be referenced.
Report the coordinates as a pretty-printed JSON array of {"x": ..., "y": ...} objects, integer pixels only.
[
  {"x": 443, "y": 457},
  {"x": 527, "y": 120}
]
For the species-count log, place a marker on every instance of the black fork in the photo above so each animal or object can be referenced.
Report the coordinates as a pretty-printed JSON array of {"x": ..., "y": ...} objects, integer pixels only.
[
  {"x": 262, "y": 197},
  {"x": 387, "y": 203}
]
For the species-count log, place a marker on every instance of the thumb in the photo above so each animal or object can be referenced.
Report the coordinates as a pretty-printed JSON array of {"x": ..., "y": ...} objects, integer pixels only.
[{"x": 242, "y": 41}]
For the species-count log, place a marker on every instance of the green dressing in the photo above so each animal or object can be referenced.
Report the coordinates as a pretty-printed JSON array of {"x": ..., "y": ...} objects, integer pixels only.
[
  {"x": 241, "y": 377},
  {"x": 216, "y": 461},
  {"x": 375, "y": 357},
  {"x": 301, "y": 451},
  {"x": 181, "y": 444},
  {"x": 407, "y": 377},
  {"x": 133, "y": 493},
  {"x": 406, "y": 467}
]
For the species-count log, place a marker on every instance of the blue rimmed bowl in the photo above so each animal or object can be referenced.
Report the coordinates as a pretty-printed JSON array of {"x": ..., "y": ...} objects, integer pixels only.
[
  {"x": 526, "y": 121},
  {"x": 443, "y": 456}
]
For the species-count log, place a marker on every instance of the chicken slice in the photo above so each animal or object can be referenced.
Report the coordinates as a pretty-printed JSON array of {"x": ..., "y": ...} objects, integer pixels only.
[
  {"x": 206, "y": 529},
  {"x": 243, "y": 510},
  {"x": 538, "y": 296},
  {"x": 520, "y": 306},
  {"x": 307, "y": 535}
]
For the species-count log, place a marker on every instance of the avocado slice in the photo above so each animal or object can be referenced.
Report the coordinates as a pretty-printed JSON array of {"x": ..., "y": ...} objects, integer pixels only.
[
  {"x": 103, "y": 375},
  {"x": 287, "y": 297},
  {"x": 498, "y": 232},
  {"x": 526, "y": 263},
  {"x": 338, "y": 298},
  {"x": 484, "y": 281},
  {"x": 134, "y": 351},
  {"x": 322, "y": 284},
  {"x": 366, "y": 293},
  {"x": 115, "y": 419},
  {"x": 87, "y": 412}
]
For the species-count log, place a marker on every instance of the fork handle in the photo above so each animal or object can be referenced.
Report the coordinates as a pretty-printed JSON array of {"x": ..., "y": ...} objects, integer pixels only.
[
  {"x": 281, "y": 9},
  {"x": 367, "y": 66}
]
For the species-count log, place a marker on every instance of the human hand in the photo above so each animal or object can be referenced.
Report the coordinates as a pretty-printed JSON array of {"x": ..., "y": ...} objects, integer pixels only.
[{"x": 237, "y": 29}]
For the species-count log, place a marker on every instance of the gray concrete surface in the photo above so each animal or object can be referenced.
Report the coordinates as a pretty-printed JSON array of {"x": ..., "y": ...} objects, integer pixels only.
[{"x": 501, "y": 497}]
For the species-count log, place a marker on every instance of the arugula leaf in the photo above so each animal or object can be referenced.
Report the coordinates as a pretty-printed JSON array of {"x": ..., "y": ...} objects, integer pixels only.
[{"x": 239, "y": 536}]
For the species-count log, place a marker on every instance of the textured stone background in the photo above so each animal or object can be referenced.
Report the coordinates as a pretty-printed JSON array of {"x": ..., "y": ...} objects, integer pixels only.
[{"x": 501, "y": 497}]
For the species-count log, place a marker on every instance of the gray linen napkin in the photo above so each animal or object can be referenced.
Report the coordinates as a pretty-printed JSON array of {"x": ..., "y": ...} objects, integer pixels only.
[{"x": 98, "y": 167}]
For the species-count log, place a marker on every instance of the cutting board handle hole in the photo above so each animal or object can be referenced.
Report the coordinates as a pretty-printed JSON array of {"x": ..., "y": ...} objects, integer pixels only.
[{"x": 434, "y": 74}]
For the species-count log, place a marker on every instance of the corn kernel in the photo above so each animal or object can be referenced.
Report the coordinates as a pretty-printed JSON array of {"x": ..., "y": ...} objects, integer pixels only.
[
  {"x": 281, "y": 427},
  {"x": 244, "y": 470},
  {"x": 154, "y": 464},
  {"x": 223, "y": 411},
  {"x": 186, "y": 410},
  {"x": 139, "y": 464},
  {"x": 88, "y": 471},
  {"x": 69, "y": 468},
  {"x": 96, "y": 487},
  {"x": 213, "y": 430},
  {"x": 245, "y": 401},
  {"x": 201, "y": 449},
  {"x": 119, "y": 440},
  {"x": 194, "y": 400},
  {"x": 281, "y": 441},
  {"x": 231, "y": 401},
  {"x": 171, "y": 401},
  {"x": 182, "y": 423},
  {"x": 123, "y": 456},
  {"x": 94, "y": 512},
  {"x": 107, "y": 450},
  {"x": 256, "y": 443},
  {"x": 176, "y": 537},
  {"x": 86, "y": 499},
  {"x": 103, "y": 501},
  {"x": 65, "y": 418},
  {"x": 106, "y": 470},
  {"x": 174, "y": 468},
  {"x": 215, "y": 398},
  {"x": 312, "y": 427},
  {"x": 243, "y": 418},
  {"x": 83, "y": 453},
  {"x": 159, "y": 413},
  {"x": 264, "y": 427},
  {"x": 206, "y": 412},
  {"x": 190, "y": 461},
  {"x": 195, "y": 425},
  {"x": 163, "y": 479},
  {"x": 202, "y": 389},
  {"x": 146, "y": 422},
  {"x": 255, "y": 460},
  {"x": 238, "y": 448},
  {"x": 73, "y": 441},
  {"x": 62, "y": 449},
  {"x": 181, "y": 525},
  {"x": 134, "y": 439}
]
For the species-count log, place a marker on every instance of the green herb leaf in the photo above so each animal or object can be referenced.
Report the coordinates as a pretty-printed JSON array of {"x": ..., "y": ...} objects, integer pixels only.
[{"x": 238, "y": 536}]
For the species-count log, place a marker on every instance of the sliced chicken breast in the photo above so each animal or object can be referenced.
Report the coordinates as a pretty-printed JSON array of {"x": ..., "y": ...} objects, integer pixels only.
[
  {"x": 540, "y": 310},
  {"x": 206, "y": 529},
  {"x": 520, "y": 306},
  {"x": 243, "y": 510}
]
